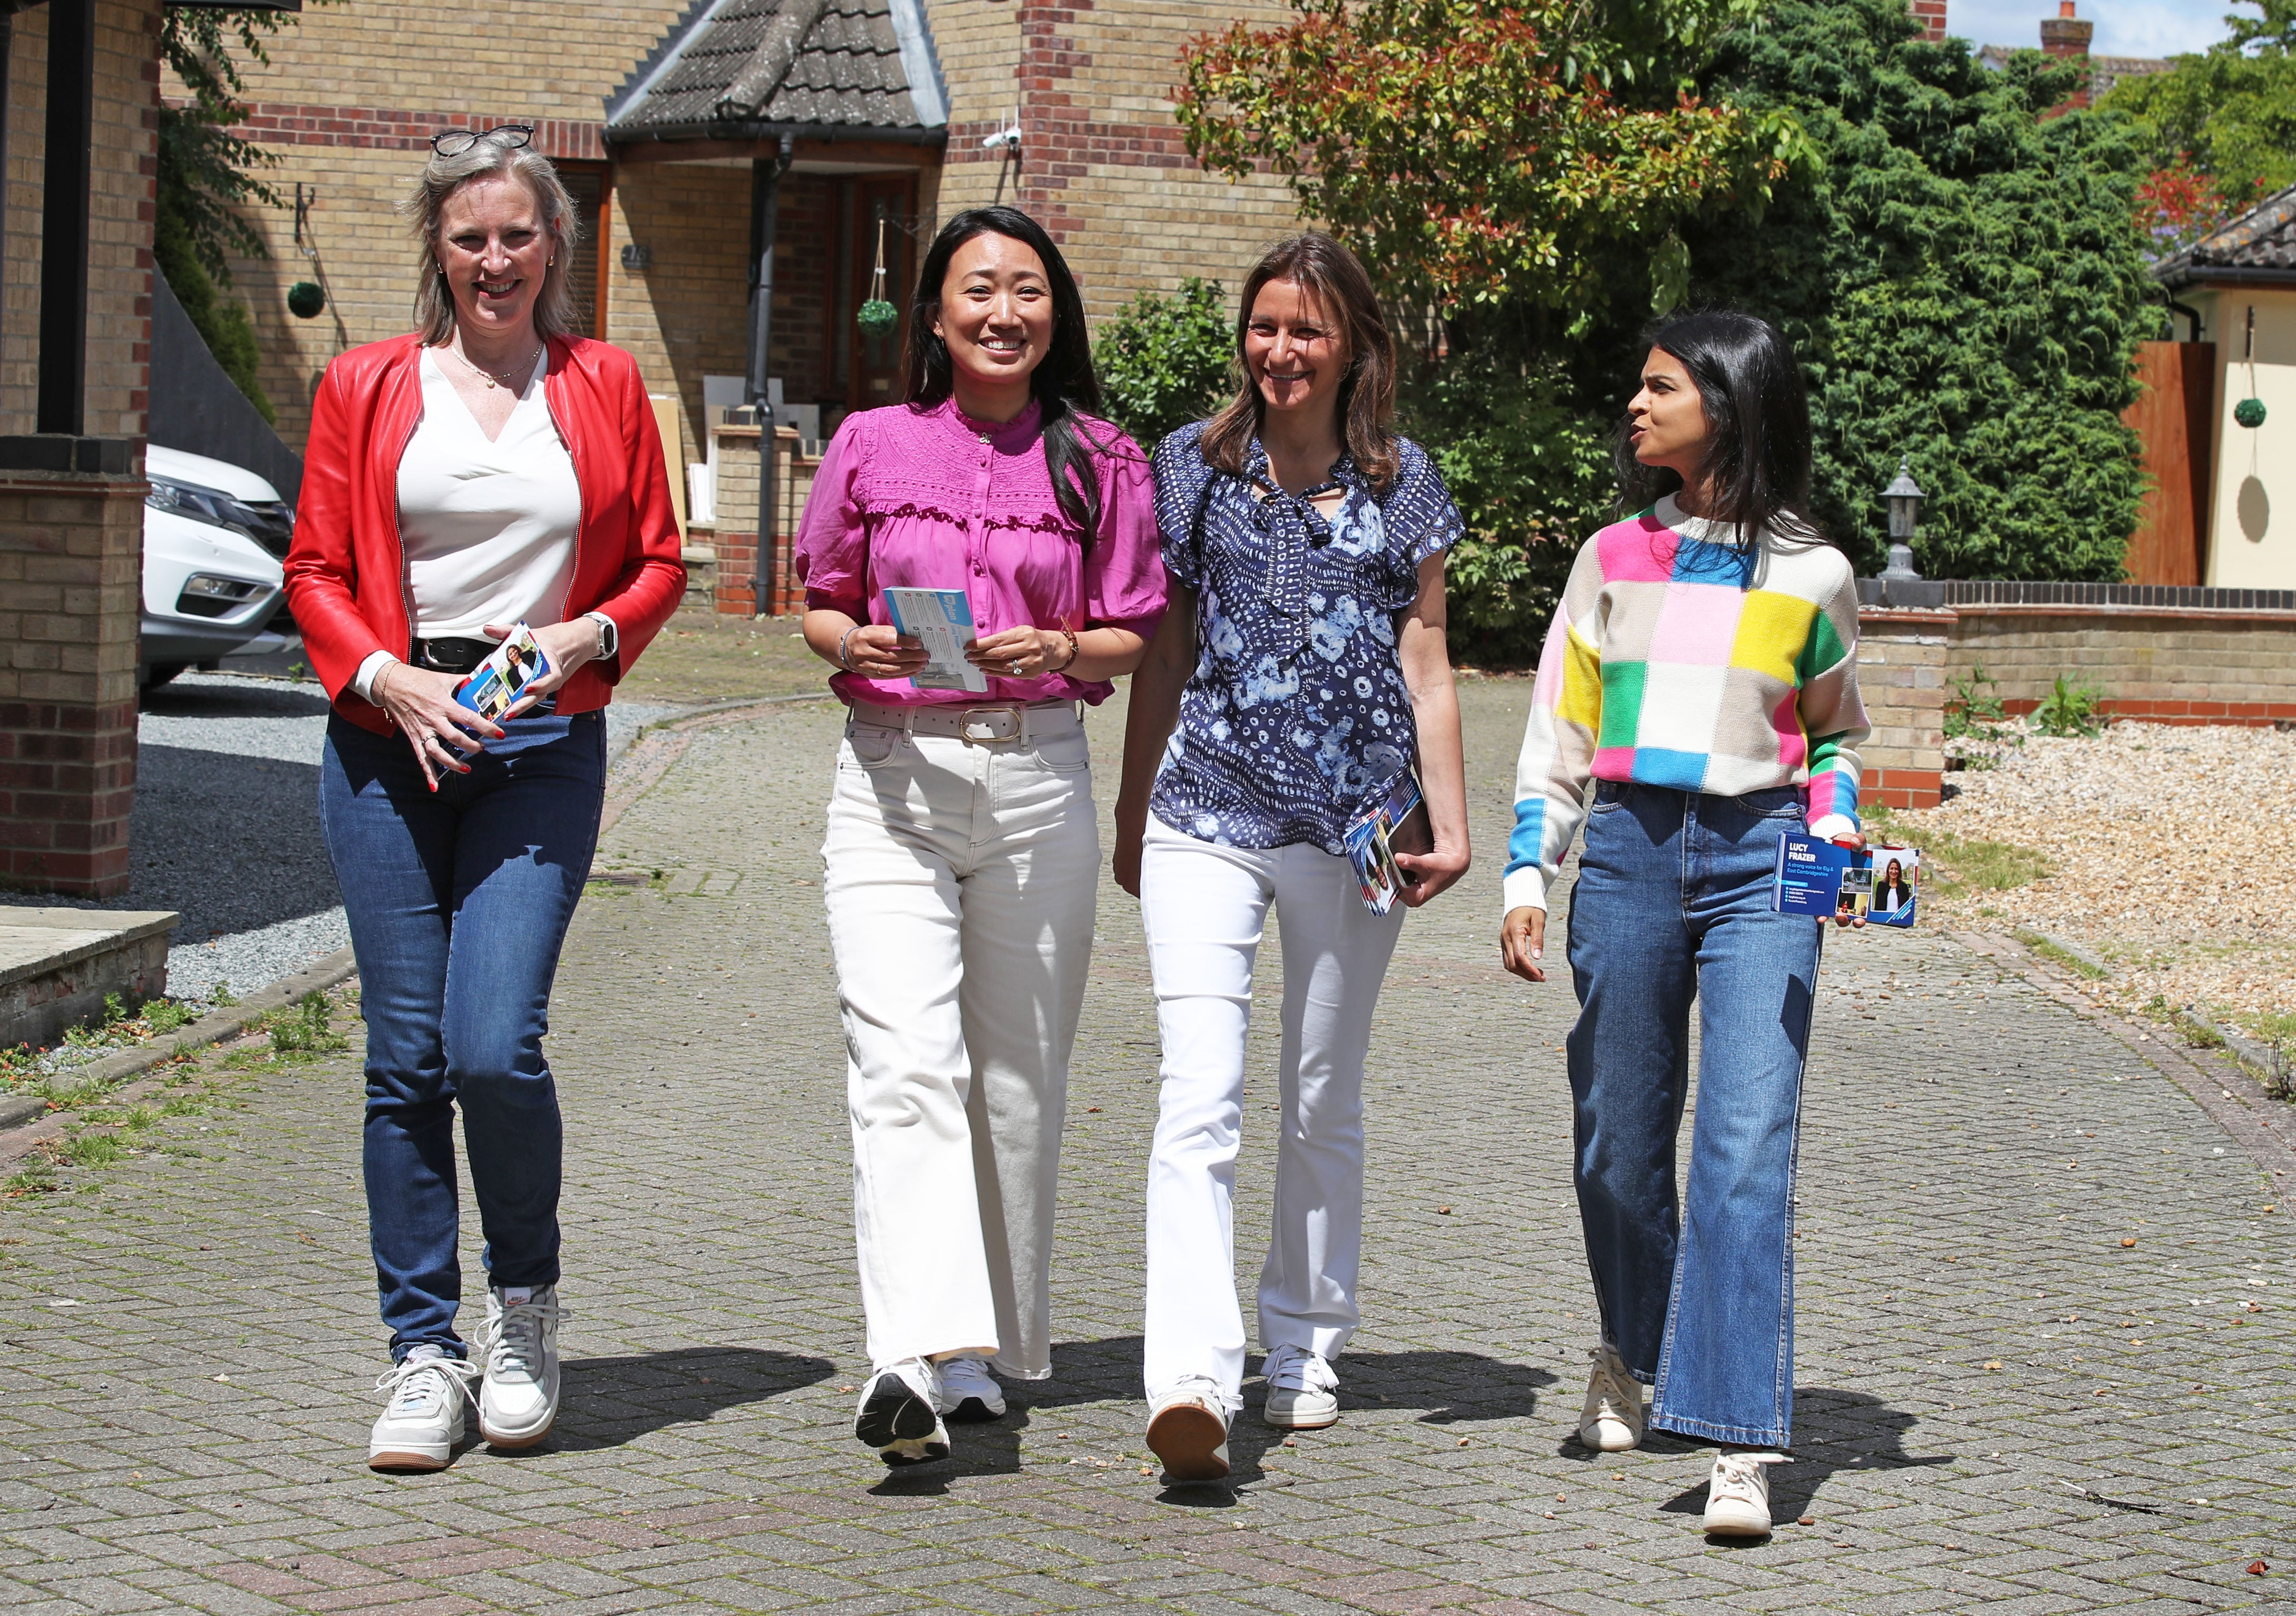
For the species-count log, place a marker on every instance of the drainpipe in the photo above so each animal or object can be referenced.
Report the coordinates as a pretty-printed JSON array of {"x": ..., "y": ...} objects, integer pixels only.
[
  {"x": 63, "y": 219},
  {"x": 2189, "y": 312},
  {"x": 765, "y": 218}
]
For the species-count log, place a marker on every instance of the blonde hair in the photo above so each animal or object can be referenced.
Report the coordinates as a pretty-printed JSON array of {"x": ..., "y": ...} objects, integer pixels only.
[{"x": 554, "y": 311}]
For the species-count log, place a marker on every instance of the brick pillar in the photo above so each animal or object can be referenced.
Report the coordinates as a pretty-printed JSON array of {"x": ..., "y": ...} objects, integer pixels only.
[
  {"x": 2067, "y": 35},
  {"x": 71, "y": 545},
  {"x": 736, "y": 502},
  {"x": 1931, "y": 15},
  {"x": 1901, "y": 662}
]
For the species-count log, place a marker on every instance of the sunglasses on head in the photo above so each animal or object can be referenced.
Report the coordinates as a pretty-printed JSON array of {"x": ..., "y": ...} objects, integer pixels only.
[{"x": 454, "y": 143}]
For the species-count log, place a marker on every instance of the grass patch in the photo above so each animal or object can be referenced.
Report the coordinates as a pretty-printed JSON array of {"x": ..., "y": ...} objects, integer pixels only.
[
  {"x": 303, "y": 1030},
  {"x": 701, "y": 657},
  {"x": 1966, "y": 864},
  {"x": 2058, "y": 954}
]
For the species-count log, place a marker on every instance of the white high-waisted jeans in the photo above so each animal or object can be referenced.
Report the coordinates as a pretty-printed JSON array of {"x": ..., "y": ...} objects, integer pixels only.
[
  {"x": 1204, "y": 908},
  {"x": 960, "y": 881}
]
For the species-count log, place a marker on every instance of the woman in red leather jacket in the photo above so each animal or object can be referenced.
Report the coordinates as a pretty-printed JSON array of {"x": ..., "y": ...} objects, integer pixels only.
[{"x": 491, "y": 469}]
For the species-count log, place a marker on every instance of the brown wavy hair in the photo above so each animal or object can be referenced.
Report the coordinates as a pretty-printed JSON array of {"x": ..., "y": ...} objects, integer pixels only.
[{"x": 1331, "y": 275}]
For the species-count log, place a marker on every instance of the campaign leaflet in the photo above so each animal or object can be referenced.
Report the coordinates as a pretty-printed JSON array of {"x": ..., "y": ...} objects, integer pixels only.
[
  {"x": 1396, "y": 822},
  {"x": 1877, "y": 884},
  {"x": 942, "y": 619},
  {"x": 492, "y": 688}
]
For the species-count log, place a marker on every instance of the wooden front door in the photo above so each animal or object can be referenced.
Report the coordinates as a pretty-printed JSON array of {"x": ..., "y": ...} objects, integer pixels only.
[{"x": 874, "y": 376}]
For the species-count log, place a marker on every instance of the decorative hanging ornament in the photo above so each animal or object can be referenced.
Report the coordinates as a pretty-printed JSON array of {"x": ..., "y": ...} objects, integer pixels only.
[
  {"x": 2250, "y": 411},
  {"x": 306, "y": 301},
  {"x": 878, "y": 316}
]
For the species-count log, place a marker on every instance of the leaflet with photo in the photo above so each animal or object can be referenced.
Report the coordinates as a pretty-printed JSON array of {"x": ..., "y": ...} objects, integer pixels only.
[
  {"x": 942, "y": 619},
  {"x": 1395, "y": 822},
  {"x": 493, "y": 687},
  {"x": 1877, "y": 884},
  {"x": 1893, "y": 898}
]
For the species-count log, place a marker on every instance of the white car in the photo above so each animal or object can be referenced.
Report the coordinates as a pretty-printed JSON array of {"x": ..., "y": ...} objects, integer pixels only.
[{"x": 214, "y": 535}]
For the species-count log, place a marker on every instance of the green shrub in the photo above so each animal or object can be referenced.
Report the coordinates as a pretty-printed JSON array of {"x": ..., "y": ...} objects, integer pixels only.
[
  {"x": 2069, "y": 710},
  {"x": 1532, "y": 478},
  {"x": 1164, "y": 360}
]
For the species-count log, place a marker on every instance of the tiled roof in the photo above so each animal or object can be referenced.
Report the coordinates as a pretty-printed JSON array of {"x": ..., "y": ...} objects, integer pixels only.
[
  {"x": 2260, "y": 245},
  {"x": 845, "y": 64}
]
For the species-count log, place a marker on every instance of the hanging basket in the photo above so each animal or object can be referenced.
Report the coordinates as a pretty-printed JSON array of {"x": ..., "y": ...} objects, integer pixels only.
[
  {"x": 2249, "y": 413},
  {"x": 306, "y": 301},
  {"x": 877, "y": 316}
]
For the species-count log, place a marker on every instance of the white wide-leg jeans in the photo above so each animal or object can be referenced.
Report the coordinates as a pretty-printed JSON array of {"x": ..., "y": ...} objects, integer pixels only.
[
  {"x": 960, "y": 880},
  {"x": 1204, "y": 908}
]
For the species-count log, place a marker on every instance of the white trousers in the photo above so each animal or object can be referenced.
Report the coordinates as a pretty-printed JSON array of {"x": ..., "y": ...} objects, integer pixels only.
[
  {"x": 1204, "y": 908},
  {"x": 960, "y": 881}
]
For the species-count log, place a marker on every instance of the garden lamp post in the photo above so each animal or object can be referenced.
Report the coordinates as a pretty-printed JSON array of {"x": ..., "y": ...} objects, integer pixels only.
[{"x": 1904, "y": 497}]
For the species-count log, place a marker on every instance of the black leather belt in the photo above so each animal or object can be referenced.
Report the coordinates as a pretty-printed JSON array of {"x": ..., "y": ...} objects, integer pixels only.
[{"x": 451, "y": 655}]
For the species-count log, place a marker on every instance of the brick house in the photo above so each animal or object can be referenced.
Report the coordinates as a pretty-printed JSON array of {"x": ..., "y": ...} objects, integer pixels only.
[{"x": 671, "y": 117}]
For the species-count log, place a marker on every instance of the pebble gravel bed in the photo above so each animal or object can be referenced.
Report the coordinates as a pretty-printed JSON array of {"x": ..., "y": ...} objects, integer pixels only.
[
  {"x": 226, "y": 829},
  {"x": 2167, "y": 849}
]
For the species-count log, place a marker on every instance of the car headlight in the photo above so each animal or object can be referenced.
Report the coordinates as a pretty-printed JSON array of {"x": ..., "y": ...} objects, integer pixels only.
[{"x": 269, "y": 524}]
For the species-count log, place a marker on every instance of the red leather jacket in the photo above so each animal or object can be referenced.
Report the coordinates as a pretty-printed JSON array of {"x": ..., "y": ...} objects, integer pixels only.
[{"x": 347, "y": 572}]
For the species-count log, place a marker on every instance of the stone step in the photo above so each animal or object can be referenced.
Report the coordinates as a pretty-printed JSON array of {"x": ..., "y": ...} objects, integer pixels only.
[{"x": 56, "y": 965}]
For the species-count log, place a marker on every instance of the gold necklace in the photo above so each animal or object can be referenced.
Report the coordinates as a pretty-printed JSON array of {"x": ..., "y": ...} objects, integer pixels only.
[{"x": 494, "y": 379}]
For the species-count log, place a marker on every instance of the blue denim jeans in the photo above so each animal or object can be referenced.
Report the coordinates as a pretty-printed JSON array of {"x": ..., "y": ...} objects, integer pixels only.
[
  {"x": 458, "y": 901},
  {"x": 1673, "y": 906}
]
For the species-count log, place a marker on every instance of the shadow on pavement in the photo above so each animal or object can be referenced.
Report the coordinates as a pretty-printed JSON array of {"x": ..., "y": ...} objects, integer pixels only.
[
  {"x": 1835, "y": 1431},
  {"x": 1451, "y": 1388},
  {"x": 608, "y": 1401}
]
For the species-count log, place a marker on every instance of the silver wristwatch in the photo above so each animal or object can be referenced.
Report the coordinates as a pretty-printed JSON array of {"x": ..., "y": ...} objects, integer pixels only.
[{"x": 610, "y": 638}]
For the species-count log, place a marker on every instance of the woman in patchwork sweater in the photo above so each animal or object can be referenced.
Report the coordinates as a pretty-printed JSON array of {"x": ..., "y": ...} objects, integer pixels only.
[{"x": 1700, "y": 677}]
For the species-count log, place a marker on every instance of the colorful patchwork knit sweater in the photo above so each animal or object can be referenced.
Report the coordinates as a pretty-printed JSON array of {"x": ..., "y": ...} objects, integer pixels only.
[{"x": 1678, "y": 660}]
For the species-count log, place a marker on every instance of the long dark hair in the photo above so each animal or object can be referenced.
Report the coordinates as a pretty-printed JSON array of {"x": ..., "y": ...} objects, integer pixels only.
[
  {"x": 1756, "y": 462},
  {"x": 1331, "y": 274},
  {"x": 1063, "y": 381}
]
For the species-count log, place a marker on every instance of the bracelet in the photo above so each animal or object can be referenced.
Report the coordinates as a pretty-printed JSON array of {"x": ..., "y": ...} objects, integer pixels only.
[
  {"x": 1075, "y": 650},
  {"x": 842, "y": 638}
]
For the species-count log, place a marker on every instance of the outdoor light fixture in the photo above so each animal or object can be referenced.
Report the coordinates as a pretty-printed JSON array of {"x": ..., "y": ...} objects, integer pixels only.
[
  {"x": 1904, "y": 497},
  {"x": 638, "y": 258}
]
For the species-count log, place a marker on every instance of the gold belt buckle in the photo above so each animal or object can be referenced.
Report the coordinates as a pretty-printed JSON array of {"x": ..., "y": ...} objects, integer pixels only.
[{"x": 980, "y": 725}]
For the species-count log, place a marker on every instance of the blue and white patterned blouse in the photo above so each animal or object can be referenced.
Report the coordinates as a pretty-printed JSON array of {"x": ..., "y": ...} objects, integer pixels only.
[{"x": 1297, "y": 714}]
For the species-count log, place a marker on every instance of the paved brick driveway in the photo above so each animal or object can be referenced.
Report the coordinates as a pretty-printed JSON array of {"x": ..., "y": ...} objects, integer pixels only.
[{"x": 2001, "y": 1404}]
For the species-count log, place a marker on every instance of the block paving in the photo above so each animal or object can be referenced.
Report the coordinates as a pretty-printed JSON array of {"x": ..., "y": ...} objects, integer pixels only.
[{"x": 2002, "y": 1403}]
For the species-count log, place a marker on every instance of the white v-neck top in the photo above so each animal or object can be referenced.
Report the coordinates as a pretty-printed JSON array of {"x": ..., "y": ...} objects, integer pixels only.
[{"x": 488, "y": 528}]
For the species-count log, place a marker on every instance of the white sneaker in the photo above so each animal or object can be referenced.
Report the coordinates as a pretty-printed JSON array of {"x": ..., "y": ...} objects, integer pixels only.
[
  {"x": 1187, "y": 1429},
  {"x": 423, "y": 1422},
  {"x": 899, "y": 1415},
  {"x": 969, "y": 1394},
  {"x": 1612, "y": 1418},
  {"x": 1738, "y": 1496},
  {"x": 518, "y": 1401},
  {"x": 1303, "y": 1391}
]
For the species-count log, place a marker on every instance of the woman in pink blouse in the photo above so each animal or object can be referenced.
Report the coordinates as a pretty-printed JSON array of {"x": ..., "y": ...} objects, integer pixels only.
[{"x": 962, "y": 857}]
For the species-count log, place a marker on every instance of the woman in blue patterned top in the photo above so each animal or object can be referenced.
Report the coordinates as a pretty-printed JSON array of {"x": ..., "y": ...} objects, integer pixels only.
[{"x": 1300, "y": 671}]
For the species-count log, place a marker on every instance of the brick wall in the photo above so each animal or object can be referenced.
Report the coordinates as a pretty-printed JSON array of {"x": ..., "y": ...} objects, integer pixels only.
[
  {"x": 2155, "y": 664},
  {"x": 1931, "y": 15},
  {"x": 1901, "y": 672},
  {"x": 735, "y": 537},
  {"x": 2159, "y": 665},
  {"x": 123, "y": 171},
  {"x": 1102, "y": 162},
  {"x": 70, "y": 562}
]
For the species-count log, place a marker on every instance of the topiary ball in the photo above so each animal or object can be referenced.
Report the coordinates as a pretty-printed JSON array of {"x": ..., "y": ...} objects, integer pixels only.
[
  {"x": 877, "y": 317},
  {"x": 2249, "y": 413},
  {"x": 305, "y": 300}
]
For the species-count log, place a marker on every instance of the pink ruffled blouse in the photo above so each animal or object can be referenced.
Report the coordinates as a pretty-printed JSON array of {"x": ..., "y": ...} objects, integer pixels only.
[{"x": 912, "y": 497}]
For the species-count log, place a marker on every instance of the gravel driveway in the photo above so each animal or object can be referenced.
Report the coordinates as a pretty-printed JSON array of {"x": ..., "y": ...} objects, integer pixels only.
[{"x": 227, "y": 828}]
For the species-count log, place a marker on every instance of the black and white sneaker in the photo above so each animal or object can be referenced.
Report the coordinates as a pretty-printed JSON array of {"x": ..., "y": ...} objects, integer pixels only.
[
  {"x": 899, "y": 1415},
  {"x": 969, "y": 1394}
]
